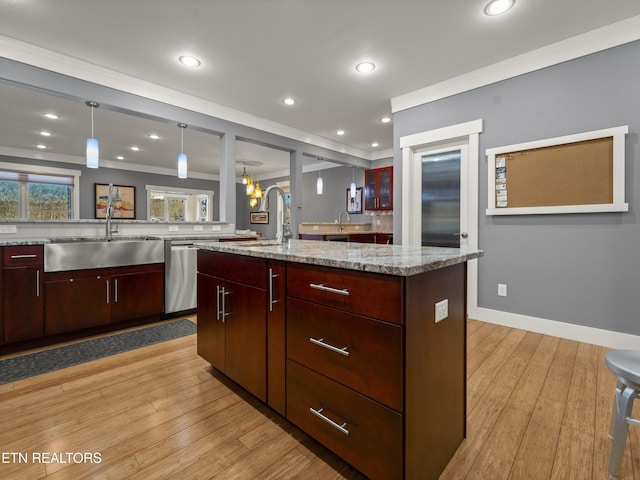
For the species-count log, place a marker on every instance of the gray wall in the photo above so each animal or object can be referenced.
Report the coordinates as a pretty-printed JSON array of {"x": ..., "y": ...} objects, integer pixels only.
[
  {"x": 89, "y": 177},
  {"x": 316, "y": 208},
  {"x": 581, "y": 269}
]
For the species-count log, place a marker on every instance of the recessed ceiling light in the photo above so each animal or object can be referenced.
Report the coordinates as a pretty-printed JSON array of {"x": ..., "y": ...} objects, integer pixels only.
[
  {"x": 52, "y": 116},
  {"x": 498, "y": 7},
  {"x": 45, "y": 134},
  {"x": 189, "y": 61},
  {"x": 41, "y": 146},
  {"x": 289, "y": 101},
  {"x": 153, "y": 136},
  {"x": 135, "y": 149},
  {"x": 119, "y": 157},
  {"x": 375, "y": 144},
  {"x": 340, "y": 132},
  {"x": 385, "y": 120},
  {"x": 365, "y": 67}
]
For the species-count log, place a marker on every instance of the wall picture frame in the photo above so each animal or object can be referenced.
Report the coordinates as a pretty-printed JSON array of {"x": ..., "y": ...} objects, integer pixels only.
[
  {"x": 354, "y": 205},
  {"x": 259, "y": 217},
  {"x": 123, "y": 201}
]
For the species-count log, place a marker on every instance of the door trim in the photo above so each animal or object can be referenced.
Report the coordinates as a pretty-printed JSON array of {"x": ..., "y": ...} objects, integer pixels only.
[{"x": 462, "y": 134}]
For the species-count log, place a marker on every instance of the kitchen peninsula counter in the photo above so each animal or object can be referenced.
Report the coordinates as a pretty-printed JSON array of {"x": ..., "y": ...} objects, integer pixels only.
[{"x": 362, "y": 346}]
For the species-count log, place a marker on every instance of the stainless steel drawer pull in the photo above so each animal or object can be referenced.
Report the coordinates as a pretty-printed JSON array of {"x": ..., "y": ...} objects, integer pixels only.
[
  {"x": 13, "y": 257},
  {"x": 342, "y": 351},
  {"x": 318, "y": 413},
  {"x": 321, "y": 286}
]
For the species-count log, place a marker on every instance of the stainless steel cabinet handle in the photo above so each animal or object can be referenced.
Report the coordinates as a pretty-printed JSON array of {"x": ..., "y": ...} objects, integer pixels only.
[
  {"x": 23, "y": 256},
  {"x": 37, "y": 283},
  {"x": 224, "y": 306},
  {"x": 271, "y": 300},
  {"x": 321, "y": 286},
  {"x": 218, "y": 303},
  {"x": 320, "y": 341},
  {"x": 318, "y": 413},
  {"x": 115, "y": 290},
  {"x": 107, "y": 292},
  {"x": 221, "y": 293}
]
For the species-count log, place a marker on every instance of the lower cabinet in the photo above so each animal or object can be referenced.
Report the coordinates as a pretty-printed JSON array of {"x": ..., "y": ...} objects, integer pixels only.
[
  {"x": 138, "y": 292},
  {"x": 89, "y": 298},
  {"x": 76, "y": 301},
  {"x": 23, "y": 294},
  {"x": 235, "y": 300},
  {"x": 366, "y": 370}
]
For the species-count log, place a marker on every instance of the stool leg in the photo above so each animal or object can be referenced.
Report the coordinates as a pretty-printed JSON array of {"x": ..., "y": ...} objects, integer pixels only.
[
  {"x": 621, "y": 429},
  {"x": 616, "y": 408}
]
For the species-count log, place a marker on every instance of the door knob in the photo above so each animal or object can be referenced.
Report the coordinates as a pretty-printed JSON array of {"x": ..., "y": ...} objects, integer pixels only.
[{"x": 461, "y": 234}]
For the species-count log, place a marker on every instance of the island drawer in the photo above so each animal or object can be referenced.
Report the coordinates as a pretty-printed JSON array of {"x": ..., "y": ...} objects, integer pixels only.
[
  {"x": 241, "y": 269},
  {"x": 23, "y": 256},
  {"x": 364, "y": 433},
  {"x": 373, "y": 295},
  {"x": 359, "y": 352}
]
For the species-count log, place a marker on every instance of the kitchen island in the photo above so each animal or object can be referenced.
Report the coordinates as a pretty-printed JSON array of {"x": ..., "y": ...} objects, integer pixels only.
[{"x": 362, "y": 346}]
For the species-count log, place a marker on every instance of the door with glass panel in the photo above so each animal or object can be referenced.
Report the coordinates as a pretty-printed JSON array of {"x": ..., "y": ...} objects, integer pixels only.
[{"x": 441, "y": 215}]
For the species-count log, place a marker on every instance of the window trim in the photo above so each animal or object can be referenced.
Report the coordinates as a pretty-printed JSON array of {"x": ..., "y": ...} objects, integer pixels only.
[{"x": 44, "y": 170}]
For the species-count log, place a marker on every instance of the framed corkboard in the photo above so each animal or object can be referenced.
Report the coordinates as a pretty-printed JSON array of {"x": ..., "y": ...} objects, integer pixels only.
[{"x": 572, "y": 174}]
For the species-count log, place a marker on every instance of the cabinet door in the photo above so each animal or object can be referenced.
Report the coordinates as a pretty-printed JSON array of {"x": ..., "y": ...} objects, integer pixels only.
[
  {"x": 276, "y": 336},
  {"x": 246, "y": 333},
  {"x": 77, "y": 302},
  {"x": 137, "y": 295},
  {"x": 23, "y": 304},
  {"x": 211, "y": 336},
  {"x": 370, "y": 189},
  {"x": 385, "y": 188}
]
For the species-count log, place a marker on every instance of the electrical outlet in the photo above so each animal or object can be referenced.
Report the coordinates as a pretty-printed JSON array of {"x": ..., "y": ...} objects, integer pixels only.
[
  {"x": 174, "y": 228},
  {"x": 502, "y": 289},
  {"x": 442, "y": 310}
]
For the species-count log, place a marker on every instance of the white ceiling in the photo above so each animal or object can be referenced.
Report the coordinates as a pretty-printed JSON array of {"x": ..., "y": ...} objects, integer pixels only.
[{"x": 257, "y": 52}]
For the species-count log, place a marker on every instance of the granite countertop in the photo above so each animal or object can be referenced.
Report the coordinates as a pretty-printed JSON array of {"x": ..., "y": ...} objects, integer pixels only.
[
  {"x": 9, "y": 242},
  {"x": 386, "y": 259}
]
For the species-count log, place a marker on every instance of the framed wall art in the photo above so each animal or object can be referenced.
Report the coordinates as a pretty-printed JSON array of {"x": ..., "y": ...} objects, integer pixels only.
[
  {"x": 354, "y": 204},
  {"x": 259, "y": 217},
  {"x": 123, "y": 199}
]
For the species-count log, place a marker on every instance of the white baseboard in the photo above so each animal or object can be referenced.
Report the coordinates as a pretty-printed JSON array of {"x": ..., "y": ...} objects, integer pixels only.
[{"x": 579, "y": 333}]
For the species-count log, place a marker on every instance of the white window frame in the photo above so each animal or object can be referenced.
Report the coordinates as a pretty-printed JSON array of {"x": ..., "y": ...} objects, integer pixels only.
[
  {"x": 179, "y": 192},
  {"x": 75, "y": 198}
]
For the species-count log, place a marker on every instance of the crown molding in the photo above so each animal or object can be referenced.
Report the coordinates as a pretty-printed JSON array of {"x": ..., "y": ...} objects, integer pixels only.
[{"x": 613, "y": 35}]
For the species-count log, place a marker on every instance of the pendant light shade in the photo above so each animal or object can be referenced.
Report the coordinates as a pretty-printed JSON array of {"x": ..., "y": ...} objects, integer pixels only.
[
  {"x": 352, "y": 191},
  {"x": 182, "y": 158},
  {"x": 93, "y": 150},
  {"x": 319, "y": 184}
]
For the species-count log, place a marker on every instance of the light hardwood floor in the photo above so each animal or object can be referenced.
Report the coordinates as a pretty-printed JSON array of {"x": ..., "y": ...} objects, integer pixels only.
[{"x": 538, "y": 408}]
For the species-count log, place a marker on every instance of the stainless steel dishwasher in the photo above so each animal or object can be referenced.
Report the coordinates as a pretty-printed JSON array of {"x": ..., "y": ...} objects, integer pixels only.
[{"x": 181, "y": 282}]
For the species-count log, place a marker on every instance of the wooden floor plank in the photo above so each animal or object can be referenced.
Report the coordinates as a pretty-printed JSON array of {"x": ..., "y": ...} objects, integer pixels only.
[{"x": 538, "y": 408}]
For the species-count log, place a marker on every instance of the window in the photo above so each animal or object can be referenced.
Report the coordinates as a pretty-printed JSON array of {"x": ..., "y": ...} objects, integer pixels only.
[
  {"x": 178, "y": 204},
  {"x": 29, "y": 194}
]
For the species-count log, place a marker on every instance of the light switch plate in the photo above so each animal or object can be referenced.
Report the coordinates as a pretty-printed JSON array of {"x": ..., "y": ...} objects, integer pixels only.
[{"x": 442, "y": 310}]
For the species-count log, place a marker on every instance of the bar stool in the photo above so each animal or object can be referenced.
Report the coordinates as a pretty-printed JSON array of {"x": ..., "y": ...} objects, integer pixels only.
[{"x": 625, "y": 365}]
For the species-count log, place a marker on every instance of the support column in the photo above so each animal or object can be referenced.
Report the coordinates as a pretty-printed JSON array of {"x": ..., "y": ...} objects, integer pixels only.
[
  {"x": 296, "y": 163},
  {"x": 228, "y": 178}
]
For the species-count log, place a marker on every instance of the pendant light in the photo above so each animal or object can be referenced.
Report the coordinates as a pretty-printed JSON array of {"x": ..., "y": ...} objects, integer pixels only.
[
  {"x": 93, "y": 155},
  {"x": 244, "y": 176},
  {"x": 353, "y": 182},
  {"x": 182, "y": 158},
  {"x": 319, "y": 184}
]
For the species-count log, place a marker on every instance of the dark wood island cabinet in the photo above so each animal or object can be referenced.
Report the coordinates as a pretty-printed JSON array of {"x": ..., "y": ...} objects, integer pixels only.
[{"x": 369, "y": 373}]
